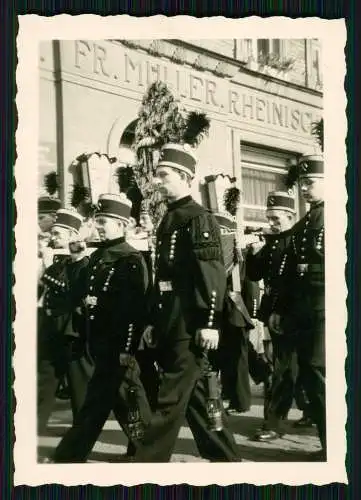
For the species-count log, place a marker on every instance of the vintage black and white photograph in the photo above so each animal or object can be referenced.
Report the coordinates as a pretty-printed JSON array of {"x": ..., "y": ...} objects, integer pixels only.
[{"x": 180, "y": 274}]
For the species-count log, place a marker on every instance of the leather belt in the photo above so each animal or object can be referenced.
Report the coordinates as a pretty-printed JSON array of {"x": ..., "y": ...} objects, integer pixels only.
[
  {"x": 302, "y": 268},
  {"x": 310, "y": 268}
]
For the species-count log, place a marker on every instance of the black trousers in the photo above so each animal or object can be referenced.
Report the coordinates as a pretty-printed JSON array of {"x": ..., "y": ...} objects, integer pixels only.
[
  {"x": 182, "y": 395},
  {"x": 308, "y": 322},
  {"x": 107, "y": 391},
  {"x": 258, "y": 367},
  {"x": 311, "y": 362},
  {"x": 234, "y": 369},
  {"x": 283, "y": 386},
  {"x": 287, "y": 384},
  {"x": 59, "y": 356}
]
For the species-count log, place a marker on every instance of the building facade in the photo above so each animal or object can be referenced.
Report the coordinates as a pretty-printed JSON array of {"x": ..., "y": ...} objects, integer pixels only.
[{"x": 260, "y": 95}]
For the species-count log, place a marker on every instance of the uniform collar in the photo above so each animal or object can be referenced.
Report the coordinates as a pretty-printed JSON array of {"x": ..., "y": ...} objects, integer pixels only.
[
  {"x": 178, "y": 203},
  {"x": 286, "y": 233},
  {"x": 114, "y": 249}
]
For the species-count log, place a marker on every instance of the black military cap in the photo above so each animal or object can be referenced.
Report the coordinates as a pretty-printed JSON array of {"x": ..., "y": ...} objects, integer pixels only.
[
  {"x": 311, "y": 166},
  {"x": 48, "y": 205},
  {"x": 178, "y": 156},
  {"x": 280, "y": 200},
  {"x": 114, "y": 205},
  {"x": 69, "y": 219}
]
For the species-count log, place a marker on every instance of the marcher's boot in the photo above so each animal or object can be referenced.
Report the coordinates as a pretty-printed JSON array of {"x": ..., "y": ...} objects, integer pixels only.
[{"x": 304, "y": 422}]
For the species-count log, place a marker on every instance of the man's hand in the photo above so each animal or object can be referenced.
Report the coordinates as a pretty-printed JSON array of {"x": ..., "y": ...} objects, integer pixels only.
[
  {"x": 90, "y": 300},
  {"x": 256, "y": 247},
  {"x": 148, "y": 335},
  {"x": 274, "y": 323},
  {"x": 207, "y": 338}
]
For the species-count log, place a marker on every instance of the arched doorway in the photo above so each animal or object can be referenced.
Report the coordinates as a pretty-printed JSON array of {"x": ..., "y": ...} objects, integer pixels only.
[
  {"x": 128, "y": 136},
  {"x": 122, "y": 146}
]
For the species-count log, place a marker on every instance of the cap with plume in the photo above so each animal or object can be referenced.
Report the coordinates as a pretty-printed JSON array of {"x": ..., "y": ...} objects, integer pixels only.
[
  {"x": 51, "y": 183},
  {"x": 196, "y": 127},
  {"x": 81, "y": 197},
  {"x": 127, "y": 184},
  {"x": 292, "y": 176}
]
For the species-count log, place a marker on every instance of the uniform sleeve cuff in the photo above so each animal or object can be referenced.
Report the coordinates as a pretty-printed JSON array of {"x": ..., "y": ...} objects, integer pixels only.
[{"x": 204, "y": 319}]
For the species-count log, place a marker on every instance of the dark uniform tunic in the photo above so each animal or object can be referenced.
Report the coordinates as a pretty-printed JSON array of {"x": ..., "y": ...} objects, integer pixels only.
[
  {"x": 267, "y": 265},
  {"x": 115, "y": 282},
  {"x": 61, "y": 341},
  {"x": 301, "y": 304},
  {"x": 190, "y": 285}
]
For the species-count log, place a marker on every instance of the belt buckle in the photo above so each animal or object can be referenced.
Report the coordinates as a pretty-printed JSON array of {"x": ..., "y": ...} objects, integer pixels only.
[
  {"x": 302, "y": 268},
  {"x": 165, "y": 286}
]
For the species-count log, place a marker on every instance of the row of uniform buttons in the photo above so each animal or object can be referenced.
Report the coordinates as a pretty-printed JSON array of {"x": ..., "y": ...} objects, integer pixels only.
[
  {"x": 105, "y": 286},
  {"x": 213, "y": 306},
  {"x": 319, "y": 244},
  {"x": 54, "y": 281},
  {"x": 173, "y": 241},
  {"x": 254, "y": 308},
  {"x": 270, "y": 260},
  {"x": 129, "y": 339}
]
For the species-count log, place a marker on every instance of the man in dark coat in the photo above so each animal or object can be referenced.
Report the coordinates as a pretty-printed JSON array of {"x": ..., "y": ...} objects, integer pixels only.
[
  {"x": 113, "y": 289},
  {"x": 189, "y": 292},
  {"x": 301, "y": 303},
  {"x": 264, "y": 262},
  {"x": 61, "y": 342}
]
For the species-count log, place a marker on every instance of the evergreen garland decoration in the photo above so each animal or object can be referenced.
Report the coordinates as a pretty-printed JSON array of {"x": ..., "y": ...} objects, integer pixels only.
[
  {"x": 79, "y": 195},
  {"x": 125, "y": 178},
  {"x": 51, "y": 182},
  {"x": 80, "y": 199},
  {"x": 232, "y": 197},
  {"x": 317, "y": 132},
  {"x": 160, "y": 121},
  {"x": 127, "y": 184},
  {"x": 292, "y": 176}
]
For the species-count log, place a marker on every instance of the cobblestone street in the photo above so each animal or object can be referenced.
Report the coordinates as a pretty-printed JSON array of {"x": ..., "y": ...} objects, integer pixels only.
[{"x": 295, "y": 446}]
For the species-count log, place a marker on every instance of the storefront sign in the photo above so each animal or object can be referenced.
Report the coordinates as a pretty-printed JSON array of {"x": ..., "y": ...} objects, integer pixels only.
[{"x": 127, "y": 68}]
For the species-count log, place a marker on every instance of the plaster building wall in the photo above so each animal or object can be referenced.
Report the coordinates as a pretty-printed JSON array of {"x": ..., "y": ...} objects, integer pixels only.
[{"x": 90, "y": 92}]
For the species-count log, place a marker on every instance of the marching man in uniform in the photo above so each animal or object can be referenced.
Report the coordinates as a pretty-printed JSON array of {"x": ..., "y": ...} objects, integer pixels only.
[
  {"x": 61, "y": 344},
  {"x": 264, "y": 262},
  {"x": 190, "y": 286},
  {"x": 300, "y": 307},
  {"x": 47, "y": 208},
  {"x": 112, "y": 290}
]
